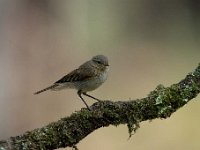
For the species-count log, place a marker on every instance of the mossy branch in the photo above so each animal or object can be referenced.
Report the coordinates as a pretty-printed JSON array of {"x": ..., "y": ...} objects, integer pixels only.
[{"x": 68, "y": 131}]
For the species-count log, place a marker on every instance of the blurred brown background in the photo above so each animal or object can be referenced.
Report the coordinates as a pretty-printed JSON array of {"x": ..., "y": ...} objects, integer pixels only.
[{"x": 147, "y": 42}]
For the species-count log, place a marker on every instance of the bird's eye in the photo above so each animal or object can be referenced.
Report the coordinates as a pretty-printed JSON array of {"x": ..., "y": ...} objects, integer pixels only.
[{"x": 98, "y": 62}]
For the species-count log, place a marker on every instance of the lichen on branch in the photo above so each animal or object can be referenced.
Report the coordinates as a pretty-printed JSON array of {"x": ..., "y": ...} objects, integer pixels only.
[{"x": 68, "y": 131}]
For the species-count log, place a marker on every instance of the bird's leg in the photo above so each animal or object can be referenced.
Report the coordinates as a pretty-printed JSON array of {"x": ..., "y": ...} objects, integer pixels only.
[
  {"x": 92, "y": 97},
  {"x": 79, "y": 94}
]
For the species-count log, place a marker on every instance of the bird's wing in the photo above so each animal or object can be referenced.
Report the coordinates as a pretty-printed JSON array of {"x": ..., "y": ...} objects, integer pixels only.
[{"x": 79, "y": 74}]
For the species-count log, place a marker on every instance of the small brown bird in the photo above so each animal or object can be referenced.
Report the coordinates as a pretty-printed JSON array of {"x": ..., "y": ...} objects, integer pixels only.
[{"x": 87, "y": 77}]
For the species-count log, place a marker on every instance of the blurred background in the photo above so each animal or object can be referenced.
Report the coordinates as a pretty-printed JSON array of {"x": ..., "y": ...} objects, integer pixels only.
[{"x": 148, "y": 42}]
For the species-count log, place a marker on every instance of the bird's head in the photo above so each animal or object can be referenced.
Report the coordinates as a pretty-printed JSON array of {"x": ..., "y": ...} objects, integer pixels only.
[{"x": 100, "y": 61}]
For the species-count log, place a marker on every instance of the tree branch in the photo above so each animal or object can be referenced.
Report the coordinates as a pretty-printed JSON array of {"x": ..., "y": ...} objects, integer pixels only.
[{"x": 68, "y": 131}]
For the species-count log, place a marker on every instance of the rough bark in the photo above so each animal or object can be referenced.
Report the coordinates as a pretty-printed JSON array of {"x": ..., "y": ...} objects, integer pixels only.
[{"x": 68, "y": 131}]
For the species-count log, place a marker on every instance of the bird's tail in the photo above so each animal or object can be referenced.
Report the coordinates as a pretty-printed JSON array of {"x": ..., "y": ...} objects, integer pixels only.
[{"x": 48, "y": 88}]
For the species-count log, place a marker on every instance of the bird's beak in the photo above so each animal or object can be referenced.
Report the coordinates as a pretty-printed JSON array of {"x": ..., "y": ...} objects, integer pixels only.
[{"x": 107, "y": 65}]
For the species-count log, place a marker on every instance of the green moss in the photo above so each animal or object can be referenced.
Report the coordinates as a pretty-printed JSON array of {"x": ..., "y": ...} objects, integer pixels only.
[{"x": 132, "y": 127}]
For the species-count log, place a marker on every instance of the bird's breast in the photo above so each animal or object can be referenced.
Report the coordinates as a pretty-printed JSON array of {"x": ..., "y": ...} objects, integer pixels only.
[
  {"x": 94, "y": 82},
  {"x": 103, "y": 76}
]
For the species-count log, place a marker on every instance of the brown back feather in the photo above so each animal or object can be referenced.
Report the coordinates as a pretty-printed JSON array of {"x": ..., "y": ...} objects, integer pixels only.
[{"x": 79, "y": 74}]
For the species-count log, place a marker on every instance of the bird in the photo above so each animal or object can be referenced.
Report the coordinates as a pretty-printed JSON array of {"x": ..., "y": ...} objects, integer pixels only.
[{"x": 87, "y": 77}]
